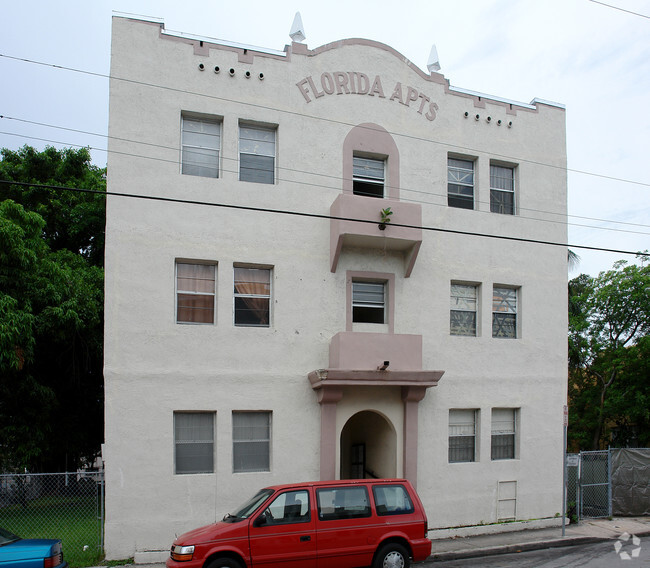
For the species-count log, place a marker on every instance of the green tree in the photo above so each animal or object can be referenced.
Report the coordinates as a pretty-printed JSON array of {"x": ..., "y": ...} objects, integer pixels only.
[
  {"x": 51, "y": 309},
  {"x": 609, "y": 324}
]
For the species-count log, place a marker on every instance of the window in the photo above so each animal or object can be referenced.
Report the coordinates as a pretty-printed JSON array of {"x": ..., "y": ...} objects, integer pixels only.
[
  {"x": 462, "y": 315},
  {"x": 502, "y": 190},
  {"x": 256, "y": 154},
  {"x": 504, "y": 312},
  {"x": 342, "y": 503},
  {"x": 201, "y": 141},
  {"x": 503, "y": 433},
  {"x": 252, "y": 296},
  {"x": 195, "y": 292},
  {"x": 251, "y": 441},
  {"x": 368, "y": 302},
  {"x": 368, "y": 176},
  {"x": 460, "y": 183},
  {"x": 194, "y": 442},
  {"x": 392, "y": 500},
  {"x": 462, "y": 436},
  {"x": 287, "y": 508}
]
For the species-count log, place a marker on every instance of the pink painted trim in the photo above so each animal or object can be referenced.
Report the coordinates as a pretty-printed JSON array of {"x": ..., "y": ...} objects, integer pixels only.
[
  {"x": 389, "y": 278},
  {"x": 374, "y": 140},
  {"x": 411, "y": 397}
]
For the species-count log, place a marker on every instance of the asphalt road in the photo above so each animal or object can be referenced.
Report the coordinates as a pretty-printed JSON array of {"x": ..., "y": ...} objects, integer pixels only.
[{"x": 600, "y": 555}]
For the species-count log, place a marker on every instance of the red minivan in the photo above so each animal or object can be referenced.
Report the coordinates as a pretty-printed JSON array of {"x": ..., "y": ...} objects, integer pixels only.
[{"x": 322, "y": 524}]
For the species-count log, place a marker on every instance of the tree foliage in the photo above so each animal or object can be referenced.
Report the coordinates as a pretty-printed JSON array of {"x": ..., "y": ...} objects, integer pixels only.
[
  {"x": 51, "y": 309},
  {"x": 609, "y": 358}
]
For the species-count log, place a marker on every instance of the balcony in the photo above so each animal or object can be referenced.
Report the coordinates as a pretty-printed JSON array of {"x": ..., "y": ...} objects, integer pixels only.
[{"x": 355, "y": 223}]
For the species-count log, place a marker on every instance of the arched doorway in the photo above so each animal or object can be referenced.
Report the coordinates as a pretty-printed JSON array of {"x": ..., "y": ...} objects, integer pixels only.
[{"x": 368, "y": 447}]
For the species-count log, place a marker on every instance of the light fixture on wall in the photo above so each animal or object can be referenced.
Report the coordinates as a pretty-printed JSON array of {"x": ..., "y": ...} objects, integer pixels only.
[{"x": 384, "y": 366}]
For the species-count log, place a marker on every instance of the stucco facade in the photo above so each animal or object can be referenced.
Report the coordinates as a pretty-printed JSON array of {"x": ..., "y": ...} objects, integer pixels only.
[{"x": 310, "y": 365}]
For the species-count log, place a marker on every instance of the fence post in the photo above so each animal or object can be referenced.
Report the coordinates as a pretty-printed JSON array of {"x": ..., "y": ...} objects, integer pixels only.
[{"x": 609, "y": 481}]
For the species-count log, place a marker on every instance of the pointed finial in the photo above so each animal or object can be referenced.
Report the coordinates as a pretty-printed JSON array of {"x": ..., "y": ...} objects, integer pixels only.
[
  {"x": 433, "y": 65},
  {"x": 297, "y": 32}
]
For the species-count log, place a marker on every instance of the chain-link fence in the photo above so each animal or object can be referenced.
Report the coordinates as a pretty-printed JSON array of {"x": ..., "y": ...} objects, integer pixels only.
[{"x": 67, "y": 506}]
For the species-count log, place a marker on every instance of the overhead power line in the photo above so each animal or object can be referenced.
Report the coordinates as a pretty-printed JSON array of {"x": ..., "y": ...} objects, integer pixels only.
[
  {"x": 319, "y": 216},
  {"x": 621, "y": 9},
  {"x": 302, "y": 115},
  {"x": 337, "y": 188}
]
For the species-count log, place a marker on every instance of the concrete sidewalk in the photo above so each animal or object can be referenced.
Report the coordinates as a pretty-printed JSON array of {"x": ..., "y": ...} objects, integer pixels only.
[{"x": 454, "y": 547}]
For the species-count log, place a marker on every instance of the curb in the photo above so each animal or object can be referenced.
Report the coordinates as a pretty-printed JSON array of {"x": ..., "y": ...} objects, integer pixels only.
[{"x": 513, "y": 548}]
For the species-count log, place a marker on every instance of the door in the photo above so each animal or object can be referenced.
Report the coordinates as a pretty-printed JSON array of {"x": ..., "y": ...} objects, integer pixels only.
[
  {"x": 346, "y": 531},
  {"x": 283, "y": 534}
]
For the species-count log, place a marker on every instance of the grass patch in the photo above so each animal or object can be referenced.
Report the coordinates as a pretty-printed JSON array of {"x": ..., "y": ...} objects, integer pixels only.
[{"x": 74, "y": 520}]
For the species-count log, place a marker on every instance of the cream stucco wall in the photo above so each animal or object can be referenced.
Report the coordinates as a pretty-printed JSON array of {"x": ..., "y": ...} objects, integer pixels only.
[{"x": 154, "y": 366}]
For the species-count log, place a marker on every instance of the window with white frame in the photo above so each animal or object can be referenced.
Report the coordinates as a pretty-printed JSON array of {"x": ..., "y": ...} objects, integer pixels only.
[
  {"x": 460, "y": 183},
  {"x": 195, "y": 292},
  {"x": 252, "y": 296},
  {"x": 462, "y": 435},
  {"x": 462, "y": 314},
  {"x": 504, "y": 312},
  {"x": 201, "y": 143},
  {"x": 194, "y": 442},
  {"x": 256, "y": 154},
  {"x": 368, "y": 302},
  {"x": 251, "y": 440},
  {"x": 504, "y": 423},
  {"x": 368, "y": 176},
  {"x": 502, "y": 189}
]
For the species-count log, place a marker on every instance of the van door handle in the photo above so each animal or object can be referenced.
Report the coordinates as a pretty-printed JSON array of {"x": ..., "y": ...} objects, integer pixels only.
[{"x": 305, "y": 538}]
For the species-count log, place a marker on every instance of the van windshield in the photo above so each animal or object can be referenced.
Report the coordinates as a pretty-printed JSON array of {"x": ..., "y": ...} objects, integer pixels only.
[{"x": 248, "y": 508}]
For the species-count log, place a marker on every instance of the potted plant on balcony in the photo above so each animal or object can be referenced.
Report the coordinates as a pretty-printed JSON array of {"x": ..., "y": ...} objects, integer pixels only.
[{"x": 385, "y": 218}]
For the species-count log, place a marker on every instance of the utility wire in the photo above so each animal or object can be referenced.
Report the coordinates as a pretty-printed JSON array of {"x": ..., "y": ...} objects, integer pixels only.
[
  {"x": 317, "y": 216},
  {"x": 337, "y": 188},
  {"x": 620, "y": 9},
  {"x": 302, "y": 115}
]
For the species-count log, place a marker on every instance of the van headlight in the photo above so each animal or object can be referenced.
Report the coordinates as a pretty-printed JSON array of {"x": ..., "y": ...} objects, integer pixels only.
[{"x": 182, "y": 553}]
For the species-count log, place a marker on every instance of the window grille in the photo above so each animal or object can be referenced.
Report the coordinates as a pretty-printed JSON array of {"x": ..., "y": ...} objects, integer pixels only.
[
  {"x": 504, "y": 312},
  {"x": 251, "y": 435},
  {"x": 460, "y": 183},
  {"x": 503, "y": 433},
  {"x": 368, "y": 176},
  {"x": 252, "y": 297},
  {"x": 201, "y": 141},
  {"x": 462, "y": 314},
  {"x": 257, "y": 154},
  {"x": 502, "y": 190},
  {"x": 195, "y": 292},
  {"x": 368, "y": 302},
  {"x": 194, "y": 442},
  {"x": 462, "y": 436}
]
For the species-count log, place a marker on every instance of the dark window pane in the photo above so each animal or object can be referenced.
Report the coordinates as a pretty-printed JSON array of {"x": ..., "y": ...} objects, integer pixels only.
[
  {"x": 252, "y": 311},
  {"x": 503, "y": 446},
  {"x": 360, "y": 187},
  {"x": 504, "y": 325},
  {"x": 502, "y": 202},
  {"x": 258, "y": 169},
  {"x": 462, "y": 323},
  {"x": 461, "y": 449},
  {"x": 193, "y": 308}
]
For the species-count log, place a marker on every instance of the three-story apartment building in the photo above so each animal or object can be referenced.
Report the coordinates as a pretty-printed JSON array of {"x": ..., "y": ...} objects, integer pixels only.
[{"x": 326, "y": 263}]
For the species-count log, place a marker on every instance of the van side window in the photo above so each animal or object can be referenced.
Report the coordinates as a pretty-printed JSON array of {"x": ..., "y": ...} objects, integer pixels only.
[
  {"x": 286, "y": 508},
  {"x": 392, "y": 500},
  {"x": 342, "y": 503}
]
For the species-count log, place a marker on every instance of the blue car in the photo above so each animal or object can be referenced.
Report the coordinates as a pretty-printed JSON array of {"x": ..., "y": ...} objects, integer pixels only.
[{"x": 16, "y": 552}]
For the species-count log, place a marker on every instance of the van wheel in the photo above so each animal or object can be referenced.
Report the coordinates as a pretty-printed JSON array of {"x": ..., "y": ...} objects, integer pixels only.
[
  {"x": 392, "y": 555},
  {"x": 224, "y": 563}
]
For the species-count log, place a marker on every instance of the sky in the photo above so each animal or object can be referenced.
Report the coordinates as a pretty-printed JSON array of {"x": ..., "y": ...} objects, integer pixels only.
[{"x": 591, "y": 57}]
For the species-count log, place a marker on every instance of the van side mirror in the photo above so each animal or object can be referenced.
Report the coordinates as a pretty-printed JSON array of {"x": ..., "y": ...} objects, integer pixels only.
[{"x": 260, "y": 521}]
